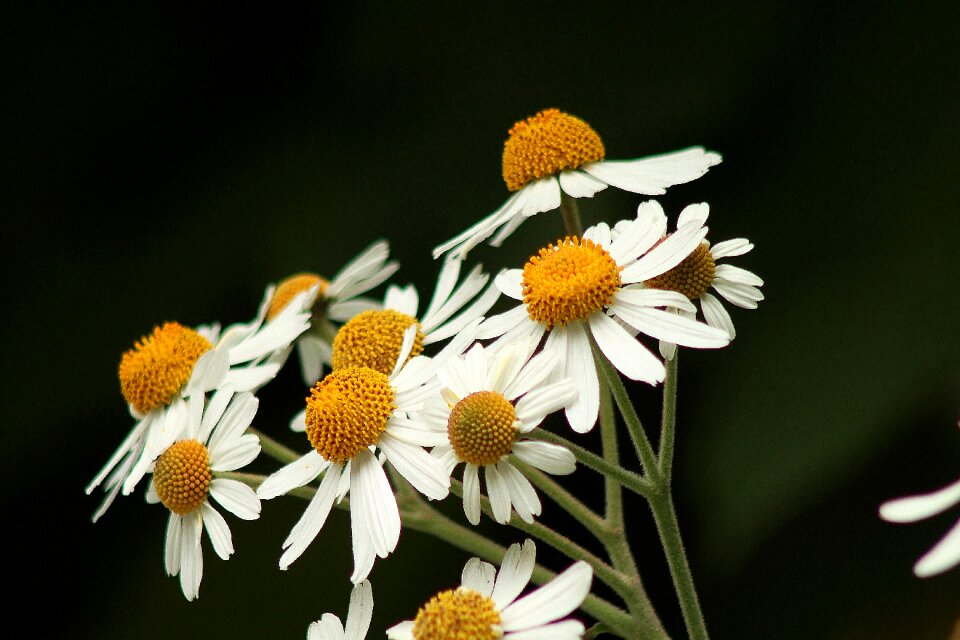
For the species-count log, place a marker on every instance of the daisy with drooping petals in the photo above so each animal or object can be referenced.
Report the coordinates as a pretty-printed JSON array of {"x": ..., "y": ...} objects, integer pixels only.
[
  {"x": 184, "y": 480},
  {"x": 373, "y": 337},
  {"x": 554, "y": 153},
  {"x": 488, "y": 401},
  {"x": 945, "y": 554},
  {"x": 590, "y": 285},
  {"x": 338, "y": 299},
  {"x": 164, "y": 369},
  {"x": 700, "y": 271},
  {"x": 486, "y": 605},
  {"x": 359, "y": 614},
  {"x": 350, "y": 413}
]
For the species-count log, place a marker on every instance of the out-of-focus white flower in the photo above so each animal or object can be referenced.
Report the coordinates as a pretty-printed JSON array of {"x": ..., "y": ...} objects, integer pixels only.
[{"x": 359, "y": 614}]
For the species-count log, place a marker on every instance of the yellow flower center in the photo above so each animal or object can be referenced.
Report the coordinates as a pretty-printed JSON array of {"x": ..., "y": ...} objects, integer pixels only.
[
  {"x": 288, "y": 289},
  {"x": 347, "y": 411},
  {"x": 158, "y": 365},
  {"x": 458, "y": 614},
  {"x": 569, "y": 281},
  {"x": 692, "y": 277},
  {"x": 182, "y": 476},
  {"x": 373, "y": 339},
  {"x": 481, "y": 428},
  {"x": 546, "y": 144}
]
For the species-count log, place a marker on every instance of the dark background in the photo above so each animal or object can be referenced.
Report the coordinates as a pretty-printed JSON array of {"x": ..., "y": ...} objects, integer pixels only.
[{"x": 166, "y": 161}]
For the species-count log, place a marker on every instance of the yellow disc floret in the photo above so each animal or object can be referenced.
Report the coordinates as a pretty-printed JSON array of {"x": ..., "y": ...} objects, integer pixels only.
[
  {"x": 373, "y": 339},
  {"x": 568, "y": 281},
  {"x": 288, "y": 289},
  {"x": 546, "y": 144},
  {"x": 458, "y": 614},
  {"x": 158, "y": 365},
  {"x": 692, "y": 277},
  {"x": 347, "y": 411},
  {"x": 482, "y": 428},
  {"x": 182, "y": 476}
]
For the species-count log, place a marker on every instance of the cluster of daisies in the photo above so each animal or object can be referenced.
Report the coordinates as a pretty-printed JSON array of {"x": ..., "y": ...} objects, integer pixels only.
[{"x": 406, "y": 392}]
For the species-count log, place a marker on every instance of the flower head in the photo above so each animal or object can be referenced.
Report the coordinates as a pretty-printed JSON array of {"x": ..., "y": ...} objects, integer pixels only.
[
  {"x": 702, "y": 271},
  {"x": 593, "y": 286},
  {"x": 554, "y": 152},
  {"x": 359, "y": 614},
  {"x": 184, "y": 481},
  {"x": 350, "y": 414},
  {"x": 487, "y": 403},
  {"x": 337, "y": 300},
  {"x": 173, "y": 363},
  {"x": 487, "y": 606}
]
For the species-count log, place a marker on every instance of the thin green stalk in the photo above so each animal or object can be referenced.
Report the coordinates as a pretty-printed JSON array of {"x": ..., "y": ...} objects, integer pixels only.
[
  {"x": 632, "y": 481},
  {"x": 668, "y": 419},
  {"x": 603, "y": 571},
  {"x": 640, "y": 441},
  {"x": 665, "y": 516},
  {"x": 274, "y": 449},
  {"x": 571, "y": 215},
  {"x": 564, "y": 499}
]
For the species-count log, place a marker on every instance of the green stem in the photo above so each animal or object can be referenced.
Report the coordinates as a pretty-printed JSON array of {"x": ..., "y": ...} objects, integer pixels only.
[
  {"x": 632, "y": 481},
  {"x": 566, "y": 500},
  {"x": 603, "y": 571},
  {"x": 640, "y": 442},
  {"x": 665, "y": 516},
  {"x": 669, "y": 419},
  {"x": 274, "y": 449},
  {"x": 571, "y": 215}
]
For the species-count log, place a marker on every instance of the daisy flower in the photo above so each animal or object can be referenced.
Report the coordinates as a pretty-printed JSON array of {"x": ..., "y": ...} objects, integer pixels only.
[
  {"x": 488, "y": 401},
  {"x": 212, "y": 441},
  {"x": 553, "y": 153},
  {"x": 700, "y": 271},
  {"x": 945, "y": 554},
  {"x": 592, "y": 285},
  {"x": 338, "y": 299},
  {"x": 350, "y": 414},
  {"x": 164, "y": 369},
  {"x": 486, "y": 605},
  {"x": 359, "y": 614}
]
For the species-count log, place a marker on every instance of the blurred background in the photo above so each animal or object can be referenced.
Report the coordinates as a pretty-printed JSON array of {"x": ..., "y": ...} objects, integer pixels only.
[{"x": 166, "y": 161}]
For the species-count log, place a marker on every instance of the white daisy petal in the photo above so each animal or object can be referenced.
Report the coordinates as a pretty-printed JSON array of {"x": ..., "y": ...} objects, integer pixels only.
[
  {"x": 580, "y": 185},
  {"x": 449, "y": 274},
  {"x": 743, "y": 296},
  {"x": 522, "y": 494},
  {"x": 402, "y": 299},
  {"x": 498, "y": 493},
  {"x": 296, "y": 474},
  {"x": 471, "y": 494},
  {"x": 671, "y": 327},
  {"x": 236, "y": 497},
  {"x": 640, "y": 296},
  {"x": 551, "y": 458},
  {"x": 313, "y": 353},
  {"x": 651, "y": 175},
  {"x": 537, "y": 369},
  {"x": 582, "y": 413},
  {"x": 328, "y": 627},
  {"x": 191, "y": 556},
  {"x": 695, "y": 214},
  {"x": 299, "y": 422},
  {"x": 501, "y": 323},
  {"x": 944, "y": 556},
  {"x": 510, "y": 283},
  {"x": 360, "y": 612},
  {"x": 544, "y": 195},
  {"x": 625, "y": 353},
  {"x": 476, "y": 309},
  {"x": 234, "y": 422},
  {"x": 515, "y": 571},
  {"x": 550, "y": 602},
  {"x": 217, "y": 531},
  {"x": 564, "y": 630},
  {"x": 373, "y": 502},
  {"x": 481, "y": 230},
  {"x": 731, "y": 248},
  {"x": 424, "y": 472},
  {"x": 922, "y": 506},
  {"x": 666, "y": 255},
  {"x": 347, "y": 309},
  {"x": 479, "y": 576},
  {"x": 251, "y": 378},
  {"x": 401, "y": 631},
  {"x": 716, "y": 315},
  {"x": 312, "y": 520},
  {"x": 172, "y": 543},
  {"x": 213, "y": 412},
  {"x": 736, "y": 275},
  {"x": 532, "y": 408}
]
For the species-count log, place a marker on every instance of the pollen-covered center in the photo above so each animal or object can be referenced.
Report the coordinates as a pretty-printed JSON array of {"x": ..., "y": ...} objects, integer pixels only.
[
  {"x": 482, "y": 428},
  {"x": 692, "y": 277},
  {"x": 182, "y": 476},
  {"x": 569, "y": 281},
  {"x": 458, "y": 614},
  {"x": 546, "y": 144},
  {"x": 158, "y": 365},
  {"x": 373, "y": 339},
  {"x": 289, "y": 288},
  {"x": 347, "y": 411}
]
